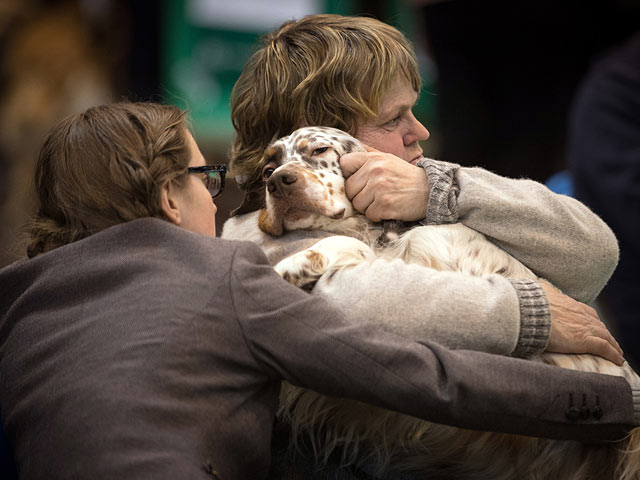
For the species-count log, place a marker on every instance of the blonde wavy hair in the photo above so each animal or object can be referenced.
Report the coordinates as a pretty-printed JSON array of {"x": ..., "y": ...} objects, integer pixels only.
[
  {"x": 103, "y": 167},
  {"x": 327, "y": 70}
]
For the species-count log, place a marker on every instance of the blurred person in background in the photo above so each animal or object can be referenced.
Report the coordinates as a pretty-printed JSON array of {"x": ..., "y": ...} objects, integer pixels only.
[
  {"x": 59, "y": 57},
  {"x": 604, "y": 160}
]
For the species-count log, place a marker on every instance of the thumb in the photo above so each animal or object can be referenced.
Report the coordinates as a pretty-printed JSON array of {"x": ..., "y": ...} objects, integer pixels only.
[
  {"x": 351, "y": 163},
  {"x": 371, "y": 149}
]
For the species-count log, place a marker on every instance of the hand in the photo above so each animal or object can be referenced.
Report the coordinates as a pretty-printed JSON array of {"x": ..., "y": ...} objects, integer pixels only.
[
  {"x": 385, "y": 187},
  {"x": 576, "y": 328}
]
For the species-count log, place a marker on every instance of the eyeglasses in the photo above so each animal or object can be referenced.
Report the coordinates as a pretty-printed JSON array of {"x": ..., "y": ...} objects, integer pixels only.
[{"x": 212, "y": 176}]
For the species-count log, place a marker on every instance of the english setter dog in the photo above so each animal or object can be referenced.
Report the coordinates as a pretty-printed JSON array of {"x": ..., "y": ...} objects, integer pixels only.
[{"x": 305, "y": 190}]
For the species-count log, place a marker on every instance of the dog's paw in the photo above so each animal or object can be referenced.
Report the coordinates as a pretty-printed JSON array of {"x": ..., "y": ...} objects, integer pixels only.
[{"x": 304, "y": 268}]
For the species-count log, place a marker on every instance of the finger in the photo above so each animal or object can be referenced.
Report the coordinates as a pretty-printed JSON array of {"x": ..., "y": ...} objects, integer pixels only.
[
  {"x": 602, "y": 348},
  {"x": 371, "y": 149},
  {"x": 352, "y": 162},
  {"x": 600, "y": 332},
  {"x": 362, "y": 200},
  {"x": 372, "y": 213},
  {"x": 606, "y": 335},
  {"x": 598, "y": 328},
  {"x": 355, "y": 184}
]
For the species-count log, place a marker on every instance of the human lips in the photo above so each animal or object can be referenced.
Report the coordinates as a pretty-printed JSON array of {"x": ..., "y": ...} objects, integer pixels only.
[{"x": 416, "y": 159}]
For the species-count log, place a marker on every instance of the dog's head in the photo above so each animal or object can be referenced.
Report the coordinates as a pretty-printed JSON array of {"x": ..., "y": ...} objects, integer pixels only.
[{"x": 304, "y": 185}]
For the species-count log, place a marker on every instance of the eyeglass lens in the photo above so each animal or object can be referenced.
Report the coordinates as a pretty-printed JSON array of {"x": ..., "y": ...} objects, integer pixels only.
[{"x": 213, "y": 181}]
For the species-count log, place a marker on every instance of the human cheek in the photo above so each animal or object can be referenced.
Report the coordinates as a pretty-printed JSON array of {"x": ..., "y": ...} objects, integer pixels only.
[
  {"x": 211, "y": 218},
  {"x": 387, "y": 142},
  {"x": 211, "y": 207},
  {"x": 395, "y": 145}
]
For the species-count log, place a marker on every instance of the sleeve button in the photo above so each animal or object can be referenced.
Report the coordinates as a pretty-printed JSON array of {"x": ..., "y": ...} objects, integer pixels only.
[
  {"x": 597, "y": 412},
  {"x": 572, "y": 413}
]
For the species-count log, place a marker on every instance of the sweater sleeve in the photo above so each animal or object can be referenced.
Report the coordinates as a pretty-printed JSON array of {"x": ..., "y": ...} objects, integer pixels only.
[
  {"x": 305, "y": 340},
  {"x": 489, "y": 314},
  {"x": 556, "y": 236}
]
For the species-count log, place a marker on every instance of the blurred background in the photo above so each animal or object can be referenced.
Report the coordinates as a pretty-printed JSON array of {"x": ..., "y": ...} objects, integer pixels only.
[
  {"x": 500, "y": 77},
  {"x": 59, "y": 57}
]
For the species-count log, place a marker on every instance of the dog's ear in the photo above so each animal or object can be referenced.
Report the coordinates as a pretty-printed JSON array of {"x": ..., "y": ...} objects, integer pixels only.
[
  {"x": 255, "y": 196},
  {"x": 253, "y": 200},
  {"x": 267, "y": 225}
]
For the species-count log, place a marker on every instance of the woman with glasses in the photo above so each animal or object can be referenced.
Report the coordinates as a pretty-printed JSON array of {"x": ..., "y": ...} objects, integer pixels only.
[{"x": 134, "y": 344}]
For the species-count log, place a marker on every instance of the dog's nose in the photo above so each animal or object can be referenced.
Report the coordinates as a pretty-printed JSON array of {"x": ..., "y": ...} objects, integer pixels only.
[{"x": 280, "y": 183}]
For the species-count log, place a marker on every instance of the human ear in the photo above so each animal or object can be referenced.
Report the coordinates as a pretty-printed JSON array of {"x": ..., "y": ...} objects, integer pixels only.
[{"x": 170, "y": 204}]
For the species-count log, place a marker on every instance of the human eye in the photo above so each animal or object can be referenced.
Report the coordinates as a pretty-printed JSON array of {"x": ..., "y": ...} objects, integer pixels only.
[{"x": 393, "y": 123}]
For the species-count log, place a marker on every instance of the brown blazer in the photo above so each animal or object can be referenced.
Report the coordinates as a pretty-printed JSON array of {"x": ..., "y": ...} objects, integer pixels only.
[{"x": 146, "y": 351}]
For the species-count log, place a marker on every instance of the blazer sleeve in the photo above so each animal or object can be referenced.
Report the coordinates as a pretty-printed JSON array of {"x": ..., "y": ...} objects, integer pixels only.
[
  {"x": 303, "y": 339},
  {"x": 556, "y": 236}
]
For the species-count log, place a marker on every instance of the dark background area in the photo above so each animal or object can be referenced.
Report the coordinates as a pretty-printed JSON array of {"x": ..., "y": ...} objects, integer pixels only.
[{"x": 500, "y": 76}]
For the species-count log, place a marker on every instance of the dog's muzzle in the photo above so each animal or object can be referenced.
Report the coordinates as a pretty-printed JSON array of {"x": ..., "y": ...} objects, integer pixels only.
[{"x": 282, "y": 183}]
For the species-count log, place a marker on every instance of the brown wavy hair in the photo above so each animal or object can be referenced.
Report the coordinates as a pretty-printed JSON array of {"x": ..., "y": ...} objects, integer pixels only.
[
  {"x": 103, "y": 167},
  {"x": 328, "y": 70}
]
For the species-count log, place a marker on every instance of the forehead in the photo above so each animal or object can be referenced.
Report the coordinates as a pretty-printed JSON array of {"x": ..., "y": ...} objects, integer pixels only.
[
  {"x": 196, "y": 158},
  {"x": 400, "y": 95}
]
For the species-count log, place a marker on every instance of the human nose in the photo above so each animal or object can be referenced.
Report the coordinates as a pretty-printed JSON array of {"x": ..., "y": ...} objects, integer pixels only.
[{"x": 417, "y": 132}]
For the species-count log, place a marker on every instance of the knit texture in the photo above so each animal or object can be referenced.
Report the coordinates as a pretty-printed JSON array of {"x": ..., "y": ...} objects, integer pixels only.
[
  {"x": 443, "y": 191},
  {"x": 635, "y": 392},
  {"x": 535, "y": 318}
]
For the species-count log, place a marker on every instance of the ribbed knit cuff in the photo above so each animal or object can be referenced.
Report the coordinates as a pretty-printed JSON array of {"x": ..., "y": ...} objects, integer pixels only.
[
  {"x": 442, "y": 206},
  {"x": 535, "y": 318},
  {"x": 635, "y": 393}
]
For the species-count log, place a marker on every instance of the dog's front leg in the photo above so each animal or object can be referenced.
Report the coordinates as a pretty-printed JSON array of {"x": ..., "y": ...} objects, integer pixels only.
[{"x": 304, "y": 268}]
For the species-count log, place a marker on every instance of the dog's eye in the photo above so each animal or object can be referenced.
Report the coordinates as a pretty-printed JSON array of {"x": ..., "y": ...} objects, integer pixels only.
[
  {"x": 267, "y": 172},
  {"x": 320, "y": 150}
]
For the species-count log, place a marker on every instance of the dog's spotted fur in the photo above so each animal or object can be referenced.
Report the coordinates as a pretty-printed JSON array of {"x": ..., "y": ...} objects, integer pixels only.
[
  {"x": 304, "y": 182},
  {"x": 305, "y": 190}
]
